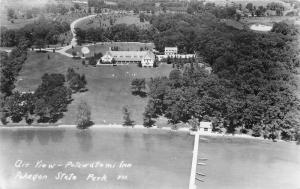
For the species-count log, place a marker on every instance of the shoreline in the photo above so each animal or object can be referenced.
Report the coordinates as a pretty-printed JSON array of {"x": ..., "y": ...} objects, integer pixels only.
[{"x": 118, "y": 126}]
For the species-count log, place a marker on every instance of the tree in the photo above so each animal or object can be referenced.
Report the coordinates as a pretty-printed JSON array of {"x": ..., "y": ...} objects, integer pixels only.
[
  {"x": 29, "y": 14},
  {"x": 194, "y": 124},
  {"x": 175, "y": 77},
  {"x": 40, "y": 43},
  {"x": 92, "y": 61},
  {"x": 74, "y": 53},
  {"x": 284, "y": 28},
  {"x": 142, "y": 17},
  {"x": 113, "y": 61},
  {"x": 52, "y": 98},
  {"x": 260, "y": 11},
  {"x": 14, "y": 106},
  {"x": 169, "y": 60},
  {"x": 126, "y": 117},
  {"x": 10, "y": 14},
  {"x": 83, "y": 118},
  {"x": 149, "y": 114},
  {"x": 137, "y": 85},
  {"x": 297, "y": 135},
  {"x": 76, "y": 6},
  {"x": 41, "y": 109},
  {"x": 155, "y": 63},
  {"x": 62, "y": 9},
  {"x": 70, "y": 73},
  {"x": 249, "y": 6},
  {"x": 257, "y": 131},
  {"x": 75, "y": 81}
]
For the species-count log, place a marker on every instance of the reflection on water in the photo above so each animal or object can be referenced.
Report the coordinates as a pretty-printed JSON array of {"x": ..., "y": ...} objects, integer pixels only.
[
  {"x": 127, "y": 138},
  {"x": 85, "y": 140},
  {"x": 43, "y": 135},
  {"x": 151, "y": 152}
]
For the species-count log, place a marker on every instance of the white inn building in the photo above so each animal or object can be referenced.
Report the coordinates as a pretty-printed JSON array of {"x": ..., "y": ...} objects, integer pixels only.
[{"x": 146, "y": 58}]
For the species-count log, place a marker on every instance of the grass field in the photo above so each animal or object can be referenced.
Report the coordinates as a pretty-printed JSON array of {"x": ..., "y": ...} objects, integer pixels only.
[
  {"x": 123, "y": 46},
  {"x": 108, "y": 87}
]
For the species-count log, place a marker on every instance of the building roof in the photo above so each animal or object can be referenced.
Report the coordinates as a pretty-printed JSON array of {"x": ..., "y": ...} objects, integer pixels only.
[
  {"x": 130, "y": 55},
  {"x": 205, "y": 124},
  {"x": 171, "y": 48}
]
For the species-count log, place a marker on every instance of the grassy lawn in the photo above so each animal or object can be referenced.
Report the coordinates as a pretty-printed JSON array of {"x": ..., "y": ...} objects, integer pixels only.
[
  {"x": 108, "y": 87},
  {"x": 105, "y": 47},
  {"x": 133, "y": 19}
]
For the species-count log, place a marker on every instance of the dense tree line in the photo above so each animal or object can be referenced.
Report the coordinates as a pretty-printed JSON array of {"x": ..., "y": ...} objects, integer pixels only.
[
  {"x": 47, "y": 103},
  {"x": 118, "y": 32},
  {"x": 251, "y": 87},
  {"x": 179, "y": 30},
  {"x": 218, "y": 11},
  {"x": 40, "y": 33},
  {"x": 11, "y": 66},
  {"x": 56, "y": 8},
  {"x": 231, "y": 11}
]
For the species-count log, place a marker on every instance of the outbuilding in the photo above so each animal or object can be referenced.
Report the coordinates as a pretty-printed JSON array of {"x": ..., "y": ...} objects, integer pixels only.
[{"x": 205, "y": 127}]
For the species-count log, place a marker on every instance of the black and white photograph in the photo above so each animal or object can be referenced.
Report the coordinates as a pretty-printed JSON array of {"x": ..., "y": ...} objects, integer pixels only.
[{"x": 149, "y": 94}]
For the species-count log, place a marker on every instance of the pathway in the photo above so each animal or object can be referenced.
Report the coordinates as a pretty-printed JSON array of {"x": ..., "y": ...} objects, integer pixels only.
[
  {"x": 62, "y": 50},
  {"x": 74, "y": 40}
]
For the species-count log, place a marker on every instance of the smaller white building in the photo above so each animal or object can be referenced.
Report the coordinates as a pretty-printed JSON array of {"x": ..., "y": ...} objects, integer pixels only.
[
  {"x": 171, "y": 51},
  {"x": 205, "y": 127}
]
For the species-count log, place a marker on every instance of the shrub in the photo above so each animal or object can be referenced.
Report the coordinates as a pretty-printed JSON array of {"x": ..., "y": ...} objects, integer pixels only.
[
  {"x": 194, "y": 124},
  {"x": 257, "y": 131},
  {"x": 137, "y": 86},
  {"x": 83, "y": 119},
  {"x": 127, "y": 119},
  {"x": 92, "y": 61},
  {"x": 175, "y": 127}
]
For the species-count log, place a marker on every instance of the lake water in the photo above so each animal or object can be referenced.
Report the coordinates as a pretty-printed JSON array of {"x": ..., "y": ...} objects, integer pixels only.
[
  {"x": 260, "y": 27},
  {"x": 239, "y": 163},
  {"x": 141, "y": 158},
  {"x": 150, "y": 158}
]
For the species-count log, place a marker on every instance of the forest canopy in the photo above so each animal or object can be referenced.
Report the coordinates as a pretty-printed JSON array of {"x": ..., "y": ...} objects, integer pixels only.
[{"x": 251, "y": 87}]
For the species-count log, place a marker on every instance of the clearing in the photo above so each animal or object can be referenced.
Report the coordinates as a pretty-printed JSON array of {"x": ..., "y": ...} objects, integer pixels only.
[{"x": 108, "y": 86}]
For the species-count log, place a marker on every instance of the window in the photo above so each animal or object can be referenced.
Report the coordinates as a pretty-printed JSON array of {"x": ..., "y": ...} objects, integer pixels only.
[{"x": 205, "y": 129}]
